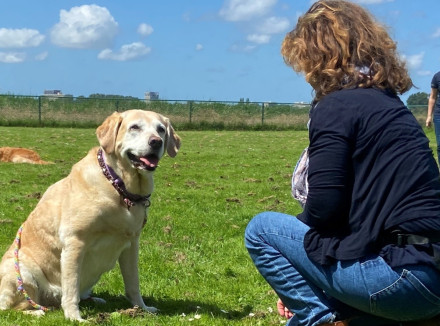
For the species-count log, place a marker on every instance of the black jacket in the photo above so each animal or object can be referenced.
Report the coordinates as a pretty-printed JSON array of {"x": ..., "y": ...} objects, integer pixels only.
[{"x": 370, "y": 171}]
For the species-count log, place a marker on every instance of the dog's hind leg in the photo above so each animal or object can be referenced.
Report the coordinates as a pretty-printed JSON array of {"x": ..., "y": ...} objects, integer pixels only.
[
  {"x": 10, "y": 295},
  {"x": 8, "y": 292}
]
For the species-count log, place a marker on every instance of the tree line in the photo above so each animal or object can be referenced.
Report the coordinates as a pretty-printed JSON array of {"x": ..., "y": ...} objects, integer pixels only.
[{"x": 420, "y": 98}]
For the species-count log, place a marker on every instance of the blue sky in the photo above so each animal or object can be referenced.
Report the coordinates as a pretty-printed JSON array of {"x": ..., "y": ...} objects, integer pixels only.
[{"x": 183, "y": 49}]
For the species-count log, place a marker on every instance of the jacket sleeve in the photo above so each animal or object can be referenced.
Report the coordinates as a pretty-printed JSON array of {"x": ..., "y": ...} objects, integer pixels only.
[{"x": 330, "y": 173}]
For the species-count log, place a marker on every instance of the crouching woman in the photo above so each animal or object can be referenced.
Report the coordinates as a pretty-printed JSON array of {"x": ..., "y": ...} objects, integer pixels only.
[{"x": 365, "y": 250}]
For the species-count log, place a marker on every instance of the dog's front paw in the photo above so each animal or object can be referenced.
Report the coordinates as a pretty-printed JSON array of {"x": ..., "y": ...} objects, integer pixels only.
[
  {"x": 138, "y": 302},
  {"x": 80, "y": 320},
  {"x": 74, "y": 316},
  {"x": 152, "y": 310}
]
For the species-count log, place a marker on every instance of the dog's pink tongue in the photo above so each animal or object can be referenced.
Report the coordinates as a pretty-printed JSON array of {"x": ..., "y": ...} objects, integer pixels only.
[{"x": 150, "y": 162}]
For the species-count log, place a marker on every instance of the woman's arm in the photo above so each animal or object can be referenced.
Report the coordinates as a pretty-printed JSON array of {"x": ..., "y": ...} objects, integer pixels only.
[
  {"x": 330, "y": 170},
  {"x": 431, "y": 103}
]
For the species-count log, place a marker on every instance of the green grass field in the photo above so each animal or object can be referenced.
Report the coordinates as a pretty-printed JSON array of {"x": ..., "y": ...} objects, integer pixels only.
[{"x": 193, "y": 263}]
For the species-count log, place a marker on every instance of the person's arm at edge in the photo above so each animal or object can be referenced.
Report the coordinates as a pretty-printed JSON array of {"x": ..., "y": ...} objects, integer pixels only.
[{"x": 431, "y": 103}]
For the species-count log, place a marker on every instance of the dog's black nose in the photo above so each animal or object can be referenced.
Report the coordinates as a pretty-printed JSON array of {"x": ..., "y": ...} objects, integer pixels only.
[{"x": 155, "y": 142}]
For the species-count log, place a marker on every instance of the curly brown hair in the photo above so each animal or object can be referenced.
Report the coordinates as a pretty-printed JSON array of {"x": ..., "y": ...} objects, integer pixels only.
[{"x": 338, "y": 44}]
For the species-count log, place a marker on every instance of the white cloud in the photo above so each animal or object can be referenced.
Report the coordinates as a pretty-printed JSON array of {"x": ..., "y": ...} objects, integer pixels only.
[
  {"x": 242, "y": 48},
  {"x": 41, "y": 56},
  {"x": 145, "y": 30},
  {"x": 245, "y": 10},
  {"x": 12, "y": 57},
  {"x": 424, "y": 73},
  {"x": 199, "y": 47},
  {"x": 20, "y": 38},
  {"x": 414, "y": 61},
  {"x": 258, "y": 38},
  {"x": 274, "y": 25},
  {"x": 87, "y": 26},
  {"x": 127, "y": 52},
  {"x": 436, "y": 33},
  {"x": 269, "y": 26},
  {"x": 255, "y": 14}
]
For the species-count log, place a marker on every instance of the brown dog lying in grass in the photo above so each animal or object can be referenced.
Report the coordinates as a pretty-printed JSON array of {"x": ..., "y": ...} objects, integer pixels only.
[{"x": 20, "y": 155}]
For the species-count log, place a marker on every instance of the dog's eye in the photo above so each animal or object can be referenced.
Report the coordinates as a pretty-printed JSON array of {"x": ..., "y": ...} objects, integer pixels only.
[
  {"x": 160, "y": 129},
  {"x": 134, "y": 128}
]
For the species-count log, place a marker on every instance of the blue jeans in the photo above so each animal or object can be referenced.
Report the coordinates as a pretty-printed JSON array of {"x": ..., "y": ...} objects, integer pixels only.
[
  {"x": 368, "y": 290},
  {"x": 436, "y": 121}
]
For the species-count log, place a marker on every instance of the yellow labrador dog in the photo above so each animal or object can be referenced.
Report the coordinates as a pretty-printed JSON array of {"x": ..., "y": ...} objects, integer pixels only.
[{"x": 89, "y": 220}]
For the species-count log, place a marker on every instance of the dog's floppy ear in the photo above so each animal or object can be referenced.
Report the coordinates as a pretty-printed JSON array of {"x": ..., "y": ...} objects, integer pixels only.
[
  {"x": 173, "y": 140},
  {"x": 108, "y": 131}
]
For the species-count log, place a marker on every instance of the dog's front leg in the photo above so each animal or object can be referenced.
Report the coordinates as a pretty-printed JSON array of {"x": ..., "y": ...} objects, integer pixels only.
[
  {"x": 128, "y": 262},
  {"x": 71, "y": 263}
]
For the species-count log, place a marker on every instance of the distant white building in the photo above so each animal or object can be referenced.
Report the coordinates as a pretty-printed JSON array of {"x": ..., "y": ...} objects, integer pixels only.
[
  {"x": 53, "y": 93},
  {"x": 151, "y": 96}
]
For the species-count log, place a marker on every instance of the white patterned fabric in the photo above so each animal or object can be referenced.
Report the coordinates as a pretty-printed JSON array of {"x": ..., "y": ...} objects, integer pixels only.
[{"x": 300, "y": 186}]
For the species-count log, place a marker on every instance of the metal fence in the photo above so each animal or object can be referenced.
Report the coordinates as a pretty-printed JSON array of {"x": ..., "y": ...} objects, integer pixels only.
[
  {"x": 88, "y": 112},
  {"x": 91, "y": 111}
]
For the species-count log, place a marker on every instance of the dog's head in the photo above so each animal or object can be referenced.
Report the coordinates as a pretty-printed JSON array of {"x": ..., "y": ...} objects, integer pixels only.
[{"x": 138, "y": 137}]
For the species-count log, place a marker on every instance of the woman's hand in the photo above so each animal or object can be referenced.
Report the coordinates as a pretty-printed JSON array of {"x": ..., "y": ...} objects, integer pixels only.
[
  {"x": 283, "y": 311},
  {"x": 428, "y": 121}
]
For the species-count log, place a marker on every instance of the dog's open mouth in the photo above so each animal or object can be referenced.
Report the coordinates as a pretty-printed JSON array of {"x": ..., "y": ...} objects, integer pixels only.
[{"x": 148, "y": 162}]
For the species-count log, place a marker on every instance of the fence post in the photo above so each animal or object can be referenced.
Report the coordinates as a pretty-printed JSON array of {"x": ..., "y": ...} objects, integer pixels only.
[
  {"x": 262, "y": 113},
  {"x": 190, "y": 111},
  {"x": 39, "y": 110}
]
